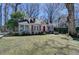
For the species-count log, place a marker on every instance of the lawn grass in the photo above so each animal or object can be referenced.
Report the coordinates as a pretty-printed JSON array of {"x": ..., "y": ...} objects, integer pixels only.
[{"x": 35, "y": 45}]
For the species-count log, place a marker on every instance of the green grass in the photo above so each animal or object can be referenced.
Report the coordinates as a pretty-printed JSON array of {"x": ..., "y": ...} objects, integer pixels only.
[{"x": 35, "y": 45}]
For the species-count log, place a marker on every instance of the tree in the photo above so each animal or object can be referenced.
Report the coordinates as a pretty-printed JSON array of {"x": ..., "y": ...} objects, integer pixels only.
[
  {"x": 6, "y": 12},
  {"x": 70, "y": 19},
  {"x": 14, "y": 6},
  {"x": 32, "y": 10},
  {"x": 12, "y": 23},
  {"x": 0, "y": 14},
  {"x": 62, "y": 21},
  {"x": 6, "y": 9},
  {"x": 17, "y": 15},
  {"x": 51, "y": 10}
]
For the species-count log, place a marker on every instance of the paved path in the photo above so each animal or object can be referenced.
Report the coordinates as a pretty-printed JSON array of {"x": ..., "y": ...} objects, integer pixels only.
[{"x": 2, "y": 34}]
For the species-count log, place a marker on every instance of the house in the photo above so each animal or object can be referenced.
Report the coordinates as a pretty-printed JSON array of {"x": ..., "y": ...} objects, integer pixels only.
[
  {"x": 63, "y": 22},
  {"x": 34, "y": 26}
]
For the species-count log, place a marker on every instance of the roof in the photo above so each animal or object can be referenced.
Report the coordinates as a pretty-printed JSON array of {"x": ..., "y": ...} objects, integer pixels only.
[
  {"x": 37, "y": 21},
  {"x": 24, "y": 20}
]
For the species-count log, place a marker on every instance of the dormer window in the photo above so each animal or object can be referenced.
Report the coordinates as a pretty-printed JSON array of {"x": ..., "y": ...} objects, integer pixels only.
[{"x": 32, "y": 20}]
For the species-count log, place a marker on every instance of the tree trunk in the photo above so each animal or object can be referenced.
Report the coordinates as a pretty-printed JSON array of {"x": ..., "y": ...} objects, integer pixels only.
[
  {"x": 5, "y": 13},
  {"x": 70, "y": 19},
  {"x": 5, "y": 16},
  {"x": 50, "y": 19},
  {"x": 16, "y": 6}
]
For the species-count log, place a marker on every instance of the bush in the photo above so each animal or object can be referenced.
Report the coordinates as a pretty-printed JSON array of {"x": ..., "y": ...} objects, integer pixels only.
[
  {"x": 64, "y": 30},
  {"x": 61, "y": 30},
  {"x": 77, "y": 29}
]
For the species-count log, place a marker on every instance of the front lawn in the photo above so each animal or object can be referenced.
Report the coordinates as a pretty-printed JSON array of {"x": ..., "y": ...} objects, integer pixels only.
[{"x": 38, "y": 44}]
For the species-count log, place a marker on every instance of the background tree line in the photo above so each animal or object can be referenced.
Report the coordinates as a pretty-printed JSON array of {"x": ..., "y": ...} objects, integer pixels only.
[{"x": 49, "y": 11}]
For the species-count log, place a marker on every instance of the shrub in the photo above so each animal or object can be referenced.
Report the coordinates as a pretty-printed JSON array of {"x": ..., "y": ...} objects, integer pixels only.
[{"x": 61, "y": 30}]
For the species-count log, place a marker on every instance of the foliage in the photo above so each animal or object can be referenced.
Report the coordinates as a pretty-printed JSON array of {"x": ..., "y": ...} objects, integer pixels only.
[
  {"x": 61, "y": 30},
  {"x": 77, "y": 29},
  {"x": 11, "y": 24},
  {"x": 17, "y": 15},
  {"x": 64, "y": 30}
]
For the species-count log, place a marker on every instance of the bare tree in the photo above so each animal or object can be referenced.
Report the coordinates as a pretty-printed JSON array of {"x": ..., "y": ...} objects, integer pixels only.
[
  {"x": 6, "y": 9},
  {"x": 76, "y": 14},
  {"x": 51, "y": 10},
  {"x": 0, "y": 14},
  {"x": 62, "y": 21},
  {"x": 6, "y": 12},
  {"x": 70, "y": 19},
  {"x": 32, "y": 9},
  {"x": 14, "y": 6}
]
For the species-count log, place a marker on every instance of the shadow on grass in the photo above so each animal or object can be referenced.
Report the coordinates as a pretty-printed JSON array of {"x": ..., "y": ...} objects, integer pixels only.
[{"x": 76, "y": 38}]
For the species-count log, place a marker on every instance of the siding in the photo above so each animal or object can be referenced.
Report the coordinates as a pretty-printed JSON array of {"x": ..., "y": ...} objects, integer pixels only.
[{"x": 33, "y": 28}]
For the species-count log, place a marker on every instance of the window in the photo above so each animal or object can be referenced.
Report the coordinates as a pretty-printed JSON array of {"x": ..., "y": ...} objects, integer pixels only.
[
  {"x": 35, "y": 27},
  {"x": 21, "y": 27},
  {"x": 26, "y": 27},
  {"x": 39, "y": 27}
]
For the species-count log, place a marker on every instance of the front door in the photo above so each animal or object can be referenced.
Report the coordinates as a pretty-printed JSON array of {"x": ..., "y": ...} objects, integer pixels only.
[{"x": 43, "y": 28}]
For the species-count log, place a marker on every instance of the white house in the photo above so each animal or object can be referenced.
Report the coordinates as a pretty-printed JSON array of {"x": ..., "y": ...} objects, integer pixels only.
[{"x": 34, "y": 26}]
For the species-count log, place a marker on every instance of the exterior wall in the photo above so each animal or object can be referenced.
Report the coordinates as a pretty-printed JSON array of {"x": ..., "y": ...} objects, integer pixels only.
[
  {"x": 50, "y": 27},
  {"x": 34, "y": 28},
  {"x": 24, "y": 27},
  {"x": 42, "y": 27},
  {"x": 21, "y": 28},
  {"x": 27, "y": 29}
]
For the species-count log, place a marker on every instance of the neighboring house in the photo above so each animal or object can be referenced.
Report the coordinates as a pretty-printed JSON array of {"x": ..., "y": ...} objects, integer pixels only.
[
  {"x": 63, "y": 22},
  {"x": 34, "y": 26}
]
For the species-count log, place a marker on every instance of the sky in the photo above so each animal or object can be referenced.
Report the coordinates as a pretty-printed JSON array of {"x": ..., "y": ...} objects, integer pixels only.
[{"x": 42, "y": 13}]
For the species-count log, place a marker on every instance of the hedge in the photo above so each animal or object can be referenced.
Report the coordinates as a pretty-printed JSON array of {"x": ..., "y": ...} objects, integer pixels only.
[{"x": 64, "y": 30}]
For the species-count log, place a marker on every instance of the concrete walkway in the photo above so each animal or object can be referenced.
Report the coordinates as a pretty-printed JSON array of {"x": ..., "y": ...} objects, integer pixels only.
[{"x": 2, "y": 34}]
